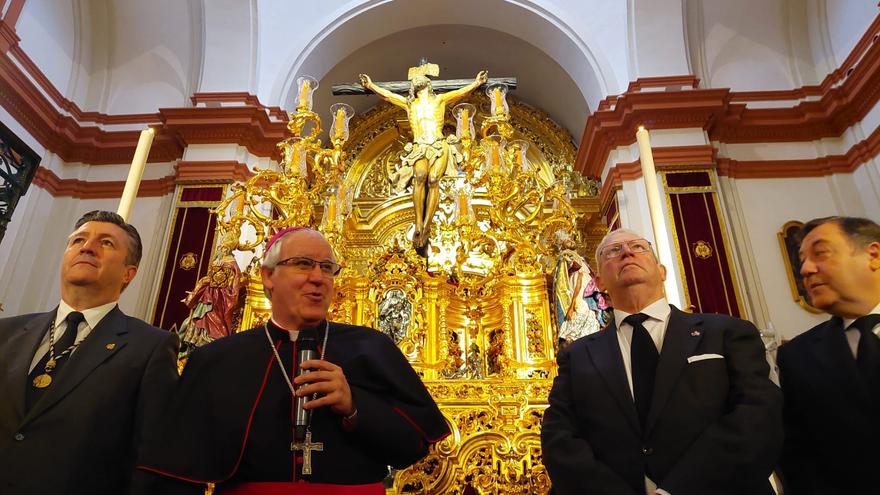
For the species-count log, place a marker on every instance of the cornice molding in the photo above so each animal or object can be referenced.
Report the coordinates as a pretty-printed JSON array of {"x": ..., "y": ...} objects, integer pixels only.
[
  {"x": 8, "y": 38},
  {"x": 680, "y": 158},
  {"x": 214, "y": 171},
  {"x": 860, "y": 153},
  {"x": 666, "y": 158},
  {"x": 58, "y": 187},
  {"x": 845, "y": 96},
  {"x": 241, "y": 97},
  {"x": 185, "y": 172},
  {"x": 246, "y": 126}
]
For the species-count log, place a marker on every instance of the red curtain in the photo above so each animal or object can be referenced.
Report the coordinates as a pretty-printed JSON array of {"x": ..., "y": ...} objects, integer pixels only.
[
  {"x": 708, "y": 275},
  {"x": 190, "y": 247}
]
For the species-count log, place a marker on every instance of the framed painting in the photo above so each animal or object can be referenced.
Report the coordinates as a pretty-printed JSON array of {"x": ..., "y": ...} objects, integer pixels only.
[{"x": 789, "y": 242}]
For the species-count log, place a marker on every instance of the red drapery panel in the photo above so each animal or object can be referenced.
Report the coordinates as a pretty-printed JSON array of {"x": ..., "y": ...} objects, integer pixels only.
[
  {"x": 699, "y": 232},
  {"x": 190, "y": 247}
]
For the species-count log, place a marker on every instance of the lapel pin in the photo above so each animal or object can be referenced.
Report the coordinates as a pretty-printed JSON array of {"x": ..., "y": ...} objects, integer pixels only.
[
  {"x": 110, "y": 346},
  {"x": 695, "y": 333}
]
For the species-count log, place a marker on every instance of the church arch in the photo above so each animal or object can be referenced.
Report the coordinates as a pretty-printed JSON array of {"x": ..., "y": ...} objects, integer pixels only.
[{"x": 361, "y": 23}]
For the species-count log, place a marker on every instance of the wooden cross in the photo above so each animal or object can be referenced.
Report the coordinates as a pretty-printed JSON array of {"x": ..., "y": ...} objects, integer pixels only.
[
  {"x": 402, "y": 87},
  {"x": 307, "y": 447}
]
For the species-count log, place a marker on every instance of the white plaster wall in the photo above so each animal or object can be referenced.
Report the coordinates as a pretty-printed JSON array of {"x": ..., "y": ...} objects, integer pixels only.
[
  {"x": 765, "y": 205},
  {"x": 29, "y": 276},
  {"x": 734, "y": 42},
  {"x": 155, "y": 55},
  {"x": 657, "y": 38},
  {"x": 91, "y": 70},
  {"x": 230, "y": 46},
  {"x": 46, "y": 29},
  {"x": 847, "y": 21}
]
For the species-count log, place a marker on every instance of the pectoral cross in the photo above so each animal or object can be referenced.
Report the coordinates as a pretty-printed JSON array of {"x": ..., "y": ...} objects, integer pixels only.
[{"x": 307, "y": 447}]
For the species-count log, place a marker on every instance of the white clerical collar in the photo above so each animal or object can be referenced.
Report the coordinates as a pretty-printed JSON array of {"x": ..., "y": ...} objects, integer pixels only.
[
  {"x": 93, "y": 316},
  {"x": 849, "y": 321},
  {"x": 293, "y": 333},
  {"x": 657, "y": 310}
]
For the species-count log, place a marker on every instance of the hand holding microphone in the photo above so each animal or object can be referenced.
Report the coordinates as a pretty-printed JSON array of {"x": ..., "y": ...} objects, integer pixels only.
[{"x": 316, "y": 376}]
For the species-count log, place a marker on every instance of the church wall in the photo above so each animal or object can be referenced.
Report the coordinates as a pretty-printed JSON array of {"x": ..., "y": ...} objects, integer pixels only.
[
  {"x": 28, "y": 139},
  {"x": 656, "y": 38},
  {"x": 91, "y": 70},
  {"x": 230, "y": 46},
  {"x": 734, "y": 41},
  {"x": 765, "y": 205},
  {"x": 155, "y": 58},
  {"x": 47, "y": 32},
  {"x": 846, "y": 22}
]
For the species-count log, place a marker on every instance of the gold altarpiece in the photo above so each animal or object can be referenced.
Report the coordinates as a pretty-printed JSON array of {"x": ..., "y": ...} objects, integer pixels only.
[{"x": 475, "y": 316}]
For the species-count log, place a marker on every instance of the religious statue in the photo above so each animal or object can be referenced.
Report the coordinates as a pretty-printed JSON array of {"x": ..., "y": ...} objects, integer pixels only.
[
  {"x": 395, "y": 312},
  {"x": 431, "y": 153},
  {"x": 213, "y": 301},
  {"x": 580, "y": 307}
]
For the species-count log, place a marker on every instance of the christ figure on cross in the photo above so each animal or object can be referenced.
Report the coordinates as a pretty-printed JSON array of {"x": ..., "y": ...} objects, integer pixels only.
[{"x": 430, "y": 152}]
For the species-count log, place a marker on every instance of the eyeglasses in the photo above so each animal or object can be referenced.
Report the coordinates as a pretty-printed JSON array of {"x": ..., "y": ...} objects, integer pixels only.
[
  {"x": 636, "y": 246},
  {"x": 304, "y": 265}
]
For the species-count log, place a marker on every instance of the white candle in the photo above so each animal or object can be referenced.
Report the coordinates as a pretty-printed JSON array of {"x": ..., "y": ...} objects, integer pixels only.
[
  {"x": 658, "y": 222},
  {"x": 136, "y": 172}
]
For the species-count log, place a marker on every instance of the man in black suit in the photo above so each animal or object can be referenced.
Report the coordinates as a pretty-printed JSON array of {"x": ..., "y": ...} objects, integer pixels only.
[
  {"x": 831, "y": 373},
  {"x": 661, "y": 401},
  {"x": 80, "y": 385}
]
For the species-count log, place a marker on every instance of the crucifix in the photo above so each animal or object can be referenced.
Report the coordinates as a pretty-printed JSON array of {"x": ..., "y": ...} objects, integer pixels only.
[
  {"x": 307, "y": 447},
  {"x": 429, "y": 154}
]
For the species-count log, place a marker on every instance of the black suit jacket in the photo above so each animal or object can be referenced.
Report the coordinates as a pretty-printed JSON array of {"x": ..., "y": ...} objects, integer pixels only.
[
  {"x": 81, "y": 436},
  {"x": 832, "y": 420},
  {"x": 714, "y": 427}
]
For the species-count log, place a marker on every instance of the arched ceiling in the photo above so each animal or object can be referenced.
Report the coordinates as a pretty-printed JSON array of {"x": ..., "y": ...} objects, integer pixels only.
[{"x": 461, "y": 51}]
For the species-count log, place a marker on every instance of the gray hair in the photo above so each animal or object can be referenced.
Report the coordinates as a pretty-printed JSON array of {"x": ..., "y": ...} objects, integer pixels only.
[
  {"x": 273, "y": 255},
  {"x": 604, "y": 242}
]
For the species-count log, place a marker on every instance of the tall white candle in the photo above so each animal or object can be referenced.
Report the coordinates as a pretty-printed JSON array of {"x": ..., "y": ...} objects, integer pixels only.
[
  {"x": 658, "y": 222},
  {"x": 136, "y": 172}
]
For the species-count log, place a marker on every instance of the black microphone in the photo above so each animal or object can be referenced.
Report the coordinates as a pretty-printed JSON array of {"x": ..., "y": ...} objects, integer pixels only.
[{"x": 306, "y": 349}]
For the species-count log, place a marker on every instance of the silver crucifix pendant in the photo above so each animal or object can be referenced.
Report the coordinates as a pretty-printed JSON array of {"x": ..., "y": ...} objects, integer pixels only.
[{"x": 307, "y": 447}]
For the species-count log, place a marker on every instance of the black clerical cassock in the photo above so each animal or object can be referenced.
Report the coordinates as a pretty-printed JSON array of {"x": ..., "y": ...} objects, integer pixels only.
[{"x": 230, "y": 422}]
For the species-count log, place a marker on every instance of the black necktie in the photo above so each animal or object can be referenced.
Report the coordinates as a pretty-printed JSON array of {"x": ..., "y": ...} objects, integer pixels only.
[
  {"x": 64, "y": 341},
  {"x": 644, "y": 357},
  {"x": 868, "y": 351}
]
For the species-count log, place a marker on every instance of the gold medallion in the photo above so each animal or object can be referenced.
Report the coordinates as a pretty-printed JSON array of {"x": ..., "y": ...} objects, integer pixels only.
[{"x": 42, "y": 381}]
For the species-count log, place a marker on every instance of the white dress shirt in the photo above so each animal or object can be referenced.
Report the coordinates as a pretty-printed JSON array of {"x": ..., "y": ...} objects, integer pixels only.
[
  {"x": 658, "y": 318},
  {"x": 853, "y": 335},
  {"x": 92, "y": 317}
]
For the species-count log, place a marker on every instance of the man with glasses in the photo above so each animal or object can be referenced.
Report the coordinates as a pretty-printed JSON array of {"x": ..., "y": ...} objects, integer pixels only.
[
  {"x": 661, "y": 401},
  {"x": 235, "y": 422}
]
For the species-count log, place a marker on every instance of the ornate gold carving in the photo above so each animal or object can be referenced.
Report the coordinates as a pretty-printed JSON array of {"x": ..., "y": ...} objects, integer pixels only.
[
  {"x": 702, "y": 250},
  {"x": 188, "y": 261}
]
